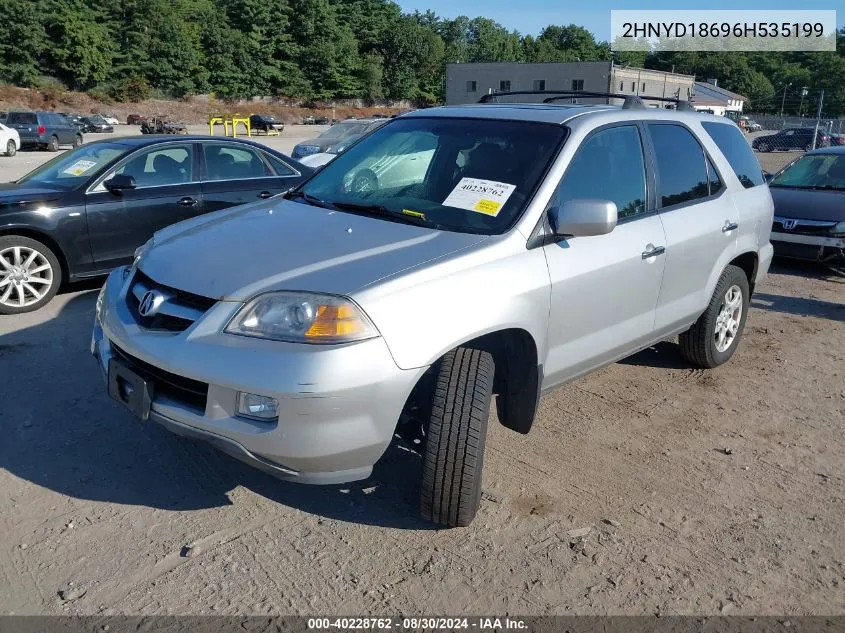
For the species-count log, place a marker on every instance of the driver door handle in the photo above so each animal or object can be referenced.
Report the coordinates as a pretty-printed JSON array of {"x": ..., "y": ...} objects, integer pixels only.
[
  {"x": 187, "y": 201},
  {"x": 729, "y": 226},
  {"x": 654, "y": 251}
]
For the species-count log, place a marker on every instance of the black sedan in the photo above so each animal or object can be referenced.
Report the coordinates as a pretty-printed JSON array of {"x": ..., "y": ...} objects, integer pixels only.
[
  {"x": 809, "y": 196},
  {"x": 96, "y": 124},
  {"x": 86, "y": 211},
  {"x": 797, "y": 138},
  {"x": 265, "y": 123}
]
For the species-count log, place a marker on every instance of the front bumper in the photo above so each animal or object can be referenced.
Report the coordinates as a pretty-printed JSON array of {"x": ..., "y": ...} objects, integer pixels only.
[
  {"x": 338, "y": 404},
  {"x": 810, "y": 247}
]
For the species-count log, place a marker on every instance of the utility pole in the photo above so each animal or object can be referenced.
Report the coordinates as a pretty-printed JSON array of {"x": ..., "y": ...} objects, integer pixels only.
[
  {"x": 818, "y": 118},
  {"x": 783, "y": 101},
  {"x": 803, "y": 94}
]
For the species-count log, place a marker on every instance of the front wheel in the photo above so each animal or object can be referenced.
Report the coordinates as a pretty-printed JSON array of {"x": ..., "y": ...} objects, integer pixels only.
[
  {"x": 713, "y": 339},
  {"x": 457, "y": 431},
  {"x": 763, "y": 147},
  {"x": 11, "y": 148},
  {"x": 30, "y": 274}
]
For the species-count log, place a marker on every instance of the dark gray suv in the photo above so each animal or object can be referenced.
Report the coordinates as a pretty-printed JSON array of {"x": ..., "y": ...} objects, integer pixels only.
[{"x": 44, "y": 130}]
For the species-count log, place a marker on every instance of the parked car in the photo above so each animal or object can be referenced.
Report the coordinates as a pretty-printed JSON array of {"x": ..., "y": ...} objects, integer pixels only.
[
  {"x": 752, "y": 126},
  {"x": 10, "y": 140},
  {"x": 336, "y": 134},
  {"x": 322, "y": 158},
  {"x": 797, "y": 138},
  {"x": 44, "y": 130},
  {"x": 537, "y": 244},
  {"x": 265, "y": 123},
  {"x": 96, "y": 124},
  {"x": 162, "y": 125},
  {"x": 111, "y": 120},
  {"x": 135, "y": 119},
  {"x": 809, "y": 196},
  {"x": 107, "y": 197},
  {"x": 837, "y": 139}
]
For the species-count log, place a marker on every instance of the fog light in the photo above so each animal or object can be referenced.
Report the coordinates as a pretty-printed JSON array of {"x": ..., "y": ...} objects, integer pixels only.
[{"x": 251, "y": 405}]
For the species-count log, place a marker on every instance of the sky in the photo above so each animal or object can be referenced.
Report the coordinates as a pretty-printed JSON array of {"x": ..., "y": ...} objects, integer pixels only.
[{"x": 530, "y": 16}]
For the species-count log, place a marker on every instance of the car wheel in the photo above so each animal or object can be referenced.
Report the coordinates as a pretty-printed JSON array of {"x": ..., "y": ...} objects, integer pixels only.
[
  {"x": 714, "y": 337},
  {"x": 455, "y": 438},
  {"x": 53, "y": 145},
  {"x": 30, "y": 274},
  {"x": 763, "y": 147},
  {"x": 808, "y": 147},
  {"x": 11, "y": 148},
  {"x": 77, "y": 141},
  {"x": 365, "y": 181}
]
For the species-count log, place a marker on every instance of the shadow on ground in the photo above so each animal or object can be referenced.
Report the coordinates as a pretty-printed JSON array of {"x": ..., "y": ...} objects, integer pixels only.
[{"x": 61, "y": 431}]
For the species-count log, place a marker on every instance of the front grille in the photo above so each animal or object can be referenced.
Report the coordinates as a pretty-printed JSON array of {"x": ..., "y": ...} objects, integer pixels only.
[
  {"x": 187, "y": 391},
  {"x": 176, "y": 314},
  {"x": 802, "y": 227}
]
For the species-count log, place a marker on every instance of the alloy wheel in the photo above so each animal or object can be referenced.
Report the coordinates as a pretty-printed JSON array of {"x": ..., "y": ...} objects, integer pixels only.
[
  {"x": 730, "y": 316},
  {"x": 25, "y": 276}
]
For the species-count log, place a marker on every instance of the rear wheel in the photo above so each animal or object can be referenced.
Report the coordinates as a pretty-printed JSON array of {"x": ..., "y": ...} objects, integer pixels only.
[
  {"x": 30, "y": 274},
  {"x": 457, "y": 431},
  {"x": 77, "y": 140},
  {"x": 763, "y": 147},
  {"x": 713, "y": 339},
  {"x": 53, "y": 145},
  {"x": 11, "y": 148}
]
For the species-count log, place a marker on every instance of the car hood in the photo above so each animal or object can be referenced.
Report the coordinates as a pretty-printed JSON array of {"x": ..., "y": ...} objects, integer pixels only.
[
  {"x": 322, "y": 143},
  {"x": 12, "y": 194},
  {"x": 809, "y": 204},
  {"x": 282, "y": 245}
]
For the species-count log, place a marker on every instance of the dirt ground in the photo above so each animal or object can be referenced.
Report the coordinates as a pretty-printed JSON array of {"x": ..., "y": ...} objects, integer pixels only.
[{"x": 647, "y": 487}]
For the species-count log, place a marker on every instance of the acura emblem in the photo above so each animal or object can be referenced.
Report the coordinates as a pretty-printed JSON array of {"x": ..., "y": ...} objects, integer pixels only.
[
  {"x": 150, "y": 303},
  {"x": 789, "y": 224}
]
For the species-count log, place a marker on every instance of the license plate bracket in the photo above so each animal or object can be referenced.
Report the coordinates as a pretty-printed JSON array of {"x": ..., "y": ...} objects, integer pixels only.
[{"x": 130, "y": 389}]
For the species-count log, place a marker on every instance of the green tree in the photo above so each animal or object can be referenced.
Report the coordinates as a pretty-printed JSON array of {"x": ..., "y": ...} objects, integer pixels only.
[
  {"x": 81, "y": 48},
  {"x": 22, "y": 40}
]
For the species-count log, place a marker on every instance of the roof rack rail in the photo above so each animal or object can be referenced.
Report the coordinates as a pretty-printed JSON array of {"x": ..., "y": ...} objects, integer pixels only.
[{"x": 630, "y": 102}]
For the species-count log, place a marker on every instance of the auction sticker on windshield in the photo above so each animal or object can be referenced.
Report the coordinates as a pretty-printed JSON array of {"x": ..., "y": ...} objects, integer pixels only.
[
  {"x": 482, "y": 196},
  {"x": 79, "y": 167}
]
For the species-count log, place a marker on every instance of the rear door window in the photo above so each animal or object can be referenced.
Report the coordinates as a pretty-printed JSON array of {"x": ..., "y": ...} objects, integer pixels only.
[
  {"x": 681, "y": 165},
  {"x": 736, "y": 149},
  {"x": 233, "y": 162}
]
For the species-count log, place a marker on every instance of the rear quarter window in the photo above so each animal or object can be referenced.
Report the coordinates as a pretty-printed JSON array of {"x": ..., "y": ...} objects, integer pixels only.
[{"x": 736, "y": 149}]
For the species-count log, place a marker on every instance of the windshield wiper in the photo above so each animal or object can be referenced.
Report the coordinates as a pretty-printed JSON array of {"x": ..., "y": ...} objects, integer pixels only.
[
  {"x": 312, "y": 200},
  {"x": 382, "y": 211}
]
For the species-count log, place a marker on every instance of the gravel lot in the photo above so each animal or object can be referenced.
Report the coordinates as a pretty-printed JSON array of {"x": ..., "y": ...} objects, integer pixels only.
[{"x": 647, "y": 487}]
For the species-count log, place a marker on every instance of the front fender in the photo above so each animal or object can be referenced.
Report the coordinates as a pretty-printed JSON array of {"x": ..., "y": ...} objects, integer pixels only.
[{"x": 425, "y": 313}]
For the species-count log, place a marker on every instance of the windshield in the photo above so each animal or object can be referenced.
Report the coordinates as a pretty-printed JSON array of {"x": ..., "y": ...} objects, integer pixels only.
[
  {"x": 814, "y": 171},
  {"x": 456, "y": 174},
  {"x": 339, "y": 130},
  {"x": 74, "y": 168}
]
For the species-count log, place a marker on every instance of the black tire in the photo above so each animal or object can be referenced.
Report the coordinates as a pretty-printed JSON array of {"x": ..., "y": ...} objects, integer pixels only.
[
  {"x": 763, "y": 147},
  {"x": 11, "y": 241},
  {"x": 698, "y": 344},
  {"x": 77, "y": 140},
  {"x": 808, "y": 147},
  {"x": 365, "y": 181},
  {"x": 457, "y": 431},
  {"x": 11, "y": 148},
  {"x": 53, "y": 145}
]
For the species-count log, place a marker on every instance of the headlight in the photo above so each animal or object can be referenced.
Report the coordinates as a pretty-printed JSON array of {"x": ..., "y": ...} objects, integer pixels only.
[
  {"x": 300, "y": 317},
  {"x": 98, "y": 307},
  {"x": 838, "y": 229}
]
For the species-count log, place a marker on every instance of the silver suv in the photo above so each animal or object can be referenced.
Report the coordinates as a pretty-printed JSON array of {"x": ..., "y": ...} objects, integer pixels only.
[{"x": 502, "y": 250}]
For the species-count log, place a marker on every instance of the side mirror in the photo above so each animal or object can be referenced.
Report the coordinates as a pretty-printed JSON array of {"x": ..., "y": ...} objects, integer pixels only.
[
  {"x": 583, "y": 217},
  {"x": 120, "y": 182}
]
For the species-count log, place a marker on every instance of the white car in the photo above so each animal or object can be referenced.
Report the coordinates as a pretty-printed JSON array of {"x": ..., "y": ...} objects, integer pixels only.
[
  {"x": 317, "y": 160},
  {"x": 111, "y": 120},
  {"x": 10, "y": 140}
]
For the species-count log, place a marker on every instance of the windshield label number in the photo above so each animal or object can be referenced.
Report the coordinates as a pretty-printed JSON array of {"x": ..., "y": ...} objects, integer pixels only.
[{"x": 482, "y": 196}]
